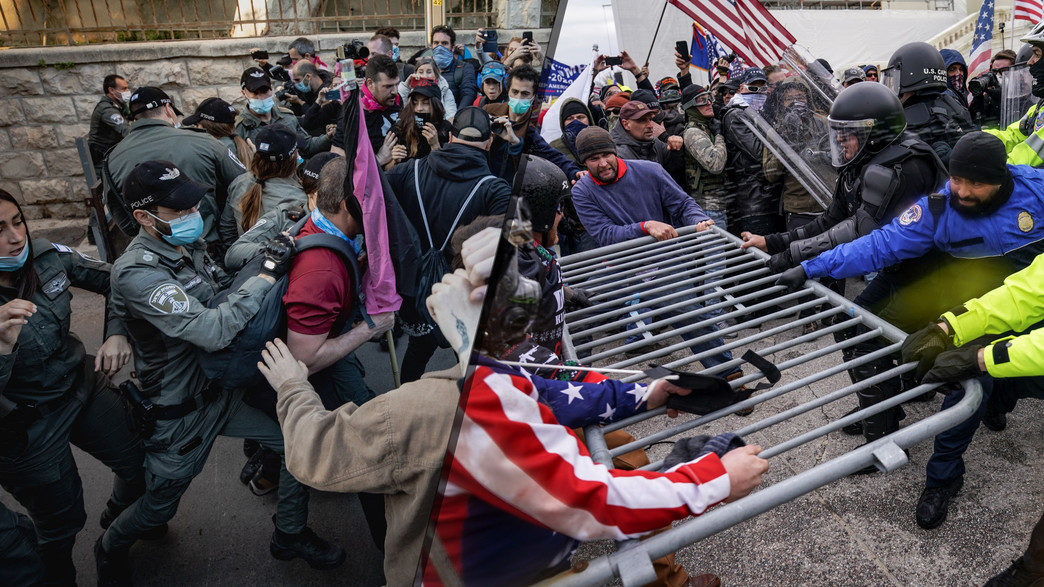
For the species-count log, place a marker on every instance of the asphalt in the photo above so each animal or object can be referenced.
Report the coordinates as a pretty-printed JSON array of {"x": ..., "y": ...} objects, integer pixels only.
[{"x": 858, "y": 531}]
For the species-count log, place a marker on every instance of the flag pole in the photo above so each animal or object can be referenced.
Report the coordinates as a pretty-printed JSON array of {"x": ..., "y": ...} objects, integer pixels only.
[
  {"x": 1013, "y": 25},
  {"x": 653, "y": 44}
]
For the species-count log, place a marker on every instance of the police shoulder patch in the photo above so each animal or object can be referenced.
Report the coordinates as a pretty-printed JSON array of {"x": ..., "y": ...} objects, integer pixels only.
[
  {"x": 169, "y": 298},
  {"x": 235, "y": 159},
  {"x": 912, "y": 215},
  {"x": 1038, "y": 123},
  {"x": 58, "y": 284},
  {"x": 116, "y": 119}
]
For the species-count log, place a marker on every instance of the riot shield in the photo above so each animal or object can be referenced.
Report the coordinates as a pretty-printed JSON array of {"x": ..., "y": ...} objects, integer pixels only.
[
  {"x": 825, "y": 86},
  {"x": 1016, "y": 97}
]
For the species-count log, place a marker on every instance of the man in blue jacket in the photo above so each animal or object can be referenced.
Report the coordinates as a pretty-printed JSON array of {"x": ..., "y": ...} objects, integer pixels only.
[
  {"x": 515, "y": 134},
  {"x": 988, "y": 219}
]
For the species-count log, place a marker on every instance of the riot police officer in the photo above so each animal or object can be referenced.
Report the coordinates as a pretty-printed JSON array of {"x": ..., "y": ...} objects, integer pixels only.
[
  {"x": 109, "y": 120},
  {"x": 160, "y": 285},
  {"x": 52, "y": 393},
  {"x": 1024, "y": 138},
  {"x": 917, "y": 74},
  {"x": 882, "y": 171}
]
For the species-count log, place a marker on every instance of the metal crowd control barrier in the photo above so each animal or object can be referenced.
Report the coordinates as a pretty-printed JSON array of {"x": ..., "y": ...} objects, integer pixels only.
[{"x": 731, "y": 284}]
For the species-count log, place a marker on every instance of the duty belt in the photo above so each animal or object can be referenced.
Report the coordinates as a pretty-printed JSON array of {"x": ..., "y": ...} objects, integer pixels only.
[
  {"x": 207, "y": 395},
  {"x": 37, "y": 410}
]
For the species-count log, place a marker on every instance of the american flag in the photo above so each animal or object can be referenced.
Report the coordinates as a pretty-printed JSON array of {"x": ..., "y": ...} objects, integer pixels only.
[
  {"x": 982, "y": 45},
  {"x": 1031, "y": 10},
  {"x": 743, "y": 25}
]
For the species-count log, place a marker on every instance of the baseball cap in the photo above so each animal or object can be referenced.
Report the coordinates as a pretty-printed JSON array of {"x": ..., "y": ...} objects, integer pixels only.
[
  {"x": 634, "y": 110},
  {"x": 648, "y": 97},
  {"x": 493, "y": 71},
  {"x": 276, "y": 142},
  {"x": 214, "y": 110},
  {"x": 254, "y": 79},
  {"x": 315, "y": 164},
  {"x": 471, "y": 124},
  {"x": 147, "y": 97},
  {"x": 161, "y": 183},
  {"x": 854, "y": 73},
  {"x": 425, "y": 87},
  {"x": 754, "y": 74}
]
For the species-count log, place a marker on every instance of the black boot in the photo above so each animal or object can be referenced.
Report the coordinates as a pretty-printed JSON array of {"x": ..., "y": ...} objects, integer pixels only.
[
  {"x": 58, "y": 565},
  {"x": 878, "y": 425},
  {"x": 113, "y": 568},
  {"x": 318, "y": 553},
  {"x": 934, "y": 504}
]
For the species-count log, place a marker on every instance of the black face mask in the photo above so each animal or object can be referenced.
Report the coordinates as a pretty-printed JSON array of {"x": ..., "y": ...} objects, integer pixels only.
[{"x": 1037, "y": 71}]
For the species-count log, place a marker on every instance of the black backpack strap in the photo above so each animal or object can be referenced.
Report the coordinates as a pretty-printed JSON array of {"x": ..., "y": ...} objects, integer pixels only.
[{"x": 340, "y": 246}]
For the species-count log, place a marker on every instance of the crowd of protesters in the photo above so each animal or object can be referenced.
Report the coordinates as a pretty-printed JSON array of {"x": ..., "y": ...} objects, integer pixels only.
[{"x": 215, "y": 209}]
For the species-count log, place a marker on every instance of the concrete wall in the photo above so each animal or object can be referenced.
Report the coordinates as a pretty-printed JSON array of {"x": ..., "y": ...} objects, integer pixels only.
[{"x": 44, "y": 109}]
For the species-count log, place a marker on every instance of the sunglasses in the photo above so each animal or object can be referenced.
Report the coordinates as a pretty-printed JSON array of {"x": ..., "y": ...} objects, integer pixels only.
[{"x": 612, "y": 111}]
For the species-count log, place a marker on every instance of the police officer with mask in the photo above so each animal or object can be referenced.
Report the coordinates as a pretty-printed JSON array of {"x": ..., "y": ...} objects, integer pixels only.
[
  {"x": 108, "y": 121},
  {"x": 53, "y": 393},
  {"x": 156, "y": 134},
  {"x": 1024, "y": 139},
  {"x": 160, "y": 287},
  {"x": 917, "y": 74}
]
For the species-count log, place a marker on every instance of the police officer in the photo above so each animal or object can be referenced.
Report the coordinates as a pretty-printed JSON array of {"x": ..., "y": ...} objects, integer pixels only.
[
  {"x": 262, "y": 111},
  {"x": 108, "y": 121},
  {"x": 52, "y": 393},
  {"x": 917, "y": 74},
  {"x": 882, "y": 171},
  {"x": 155, "y": 135},
  {"x": 1024, "y": 139},
  {"x": 160, "y": 286}
]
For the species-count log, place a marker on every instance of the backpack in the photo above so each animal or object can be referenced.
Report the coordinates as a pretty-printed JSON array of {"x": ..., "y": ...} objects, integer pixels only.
[
  {"x": 235, "y": 366},
  {"x": 433, "y": 263}
]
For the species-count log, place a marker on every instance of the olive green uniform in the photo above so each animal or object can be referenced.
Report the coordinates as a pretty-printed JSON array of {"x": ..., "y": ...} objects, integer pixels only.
[
  {"x": 267, "y": 227},
  {"x": 108, "y": 127},
  {"x": 248, "y": 125},
  {"x": 276, "y": 191},
  {"x": 202, "y": 157},
  {"x": 160, "y": 293},
  {"x": 57, "y": 398}
]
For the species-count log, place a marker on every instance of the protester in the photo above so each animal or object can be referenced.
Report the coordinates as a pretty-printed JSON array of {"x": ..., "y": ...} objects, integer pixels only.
[
  {"x": 426, "y": 69},
  {"x": 422, "y": 126}
]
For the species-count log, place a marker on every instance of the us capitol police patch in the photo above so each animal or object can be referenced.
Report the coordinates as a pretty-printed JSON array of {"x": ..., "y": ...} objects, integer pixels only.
[
  {"x": 1025, "y": 221},
  {"x": 912, "y": 214}
]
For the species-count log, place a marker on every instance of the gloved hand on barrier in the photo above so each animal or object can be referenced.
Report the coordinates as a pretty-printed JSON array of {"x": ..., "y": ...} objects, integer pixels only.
[
  {"x": 956, "y": 365},
  {"x": 924, "y": 346},
  {"x": 793, "y": 278}
]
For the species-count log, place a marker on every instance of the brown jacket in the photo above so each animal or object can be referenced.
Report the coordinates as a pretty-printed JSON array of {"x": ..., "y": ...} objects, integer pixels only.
[{"x": 393, "y": 444}]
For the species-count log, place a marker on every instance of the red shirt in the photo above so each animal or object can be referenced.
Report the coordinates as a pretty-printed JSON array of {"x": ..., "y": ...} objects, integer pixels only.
[{"x": 318, "y": 297}]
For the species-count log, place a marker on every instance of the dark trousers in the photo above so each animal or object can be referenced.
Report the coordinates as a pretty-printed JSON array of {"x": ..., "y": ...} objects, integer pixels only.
[
  {"x": 947, "y": 461},
  {"x": 419, "y": 351},
  {"x": 44, "y": 478},
  {"x": 20, "y": 562},
  {"x": 1033, "y": 558}
]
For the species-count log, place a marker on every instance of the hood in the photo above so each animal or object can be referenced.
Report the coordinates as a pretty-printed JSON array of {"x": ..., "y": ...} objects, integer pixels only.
[
  {"x": 457, "y": 162},
  {"x": 950, "y": 57},
  {"x": 561, "y": 117}
]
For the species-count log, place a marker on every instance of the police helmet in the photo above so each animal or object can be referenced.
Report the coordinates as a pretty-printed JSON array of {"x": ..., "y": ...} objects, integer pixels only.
[
  {"x": 542, "y": 186},
  {"x": 913, "y": 67},
  {"x": 865, "y": 118},
  {"x": 1024, "y": 54},
  {"x": 1035, "y": 36}
]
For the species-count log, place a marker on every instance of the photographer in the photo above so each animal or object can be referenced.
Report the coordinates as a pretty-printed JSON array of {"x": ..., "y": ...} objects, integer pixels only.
[
  {"x": 261, "y": 111},
  {"x": 307, "y": 97}
]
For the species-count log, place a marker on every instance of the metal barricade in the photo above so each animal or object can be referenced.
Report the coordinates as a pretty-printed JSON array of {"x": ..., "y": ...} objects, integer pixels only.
[{"x": 683, "y": 286}]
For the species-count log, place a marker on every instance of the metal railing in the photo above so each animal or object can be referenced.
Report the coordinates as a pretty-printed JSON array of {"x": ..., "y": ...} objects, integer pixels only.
[
  {"x": 30, "y": 23},
  {"x": 730, "y": 284}
]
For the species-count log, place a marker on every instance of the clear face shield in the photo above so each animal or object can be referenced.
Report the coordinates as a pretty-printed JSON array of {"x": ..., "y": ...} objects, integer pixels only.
[
  {"x": 848, "y": 138},
  {"x": 891, "y": 78}
]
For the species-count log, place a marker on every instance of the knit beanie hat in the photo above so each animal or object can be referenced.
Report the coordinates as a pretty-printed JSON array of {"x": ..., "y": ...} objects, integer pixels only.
[
  {"x": 981, "y": 157},
  {"x": 687, "y": 450},
  {"x": 573, "y": 107},
  {"x": 617, "y": 101},
  {"x": 592, "y": 141}
]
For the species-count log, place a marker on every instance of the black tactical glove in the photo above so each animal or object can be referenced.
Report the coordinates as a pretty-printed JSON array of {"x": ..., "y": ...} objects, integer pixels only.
[
  {"x": 13, "y": 433},
  {"x": 956, "y": 365},
  {"x": 780, "y": 262},
  {"x": 577, "y": 298},
  {"x": 279, "y": 252},
  {"x": 924, "y": 346},
  {"x": 793, "y": 278}
]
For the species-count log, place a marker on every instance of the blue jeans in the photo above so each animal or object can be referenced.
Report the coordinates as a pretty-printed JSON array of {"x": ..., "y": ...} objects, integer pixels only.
[{"x": 697, "y": 348}]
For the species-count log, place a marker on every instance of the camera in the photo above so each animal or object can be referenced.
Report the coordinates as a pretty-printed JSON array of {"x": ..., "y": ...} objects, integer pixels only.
[
  {"x": 355, "y": 50},
  {"x": 496, "y": 127},
  {"x": 979, "y": 84},
  {"x": 352, "y": 59},
  {"x": 280, "y": 93},
  {"x": 730, "y": 57}
]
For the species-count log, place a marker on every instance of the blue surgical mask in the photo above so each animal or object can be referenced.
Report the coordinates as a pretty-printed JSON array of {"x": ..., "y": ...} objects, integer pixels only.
[
  {"x": 519, "y": 106},
  {"x": 302, "y": 87},
  {"x": 262, "y": 106},
  {"x": 442, "y": 56},
  {"x": 395, "y": 53},
  {"x": 184, "y": 230},
  {"x": 300, "y": 160},
  {"x": 15, "y": 263}
]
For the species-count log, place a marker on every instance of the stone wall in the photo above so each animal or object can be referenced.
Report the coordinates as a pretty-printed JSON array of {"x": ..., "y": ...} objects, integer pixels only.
[{"x": 43, "y": 109}]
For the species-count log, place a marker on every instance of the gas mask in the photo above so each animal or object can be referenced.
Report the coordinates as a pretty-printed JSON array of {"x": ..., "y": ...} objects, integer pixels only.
[{"x": 517, "y": 299}]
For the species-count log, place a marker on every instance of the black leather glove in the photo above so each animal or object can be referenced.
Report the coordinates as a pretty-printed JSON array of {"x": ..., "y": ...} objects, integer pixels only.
[
  {"x": 577, "y": 298},
  {"x": 956, "y": 365},
  {"x": 279, "y": 252},
  {"x": 924, "y": 346},
  {"x": 780, "y": 262},
  {"x": 793, "y": 278}
]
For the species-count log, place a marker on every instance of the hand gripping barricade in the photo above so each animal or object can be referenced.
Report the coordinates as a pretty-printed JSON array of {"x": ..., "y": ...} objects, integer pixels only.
[{"x": 736, "y": 282}]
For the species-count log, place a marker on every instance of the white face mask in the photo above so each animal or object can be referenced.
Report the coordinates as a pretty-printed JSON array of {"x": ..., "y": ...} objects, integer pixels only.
[{"x": 125, "y": 96}]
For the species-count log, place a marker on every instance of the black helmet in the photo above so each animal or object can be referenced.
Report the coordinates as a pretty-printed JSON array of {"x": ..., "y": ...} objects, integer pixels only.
[
  {"x": 1024, "y": 54},
  {"x": 542, "y": 185},
  {"x": 865, "y": 118},
  {"x": 915, "y": 66}
]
